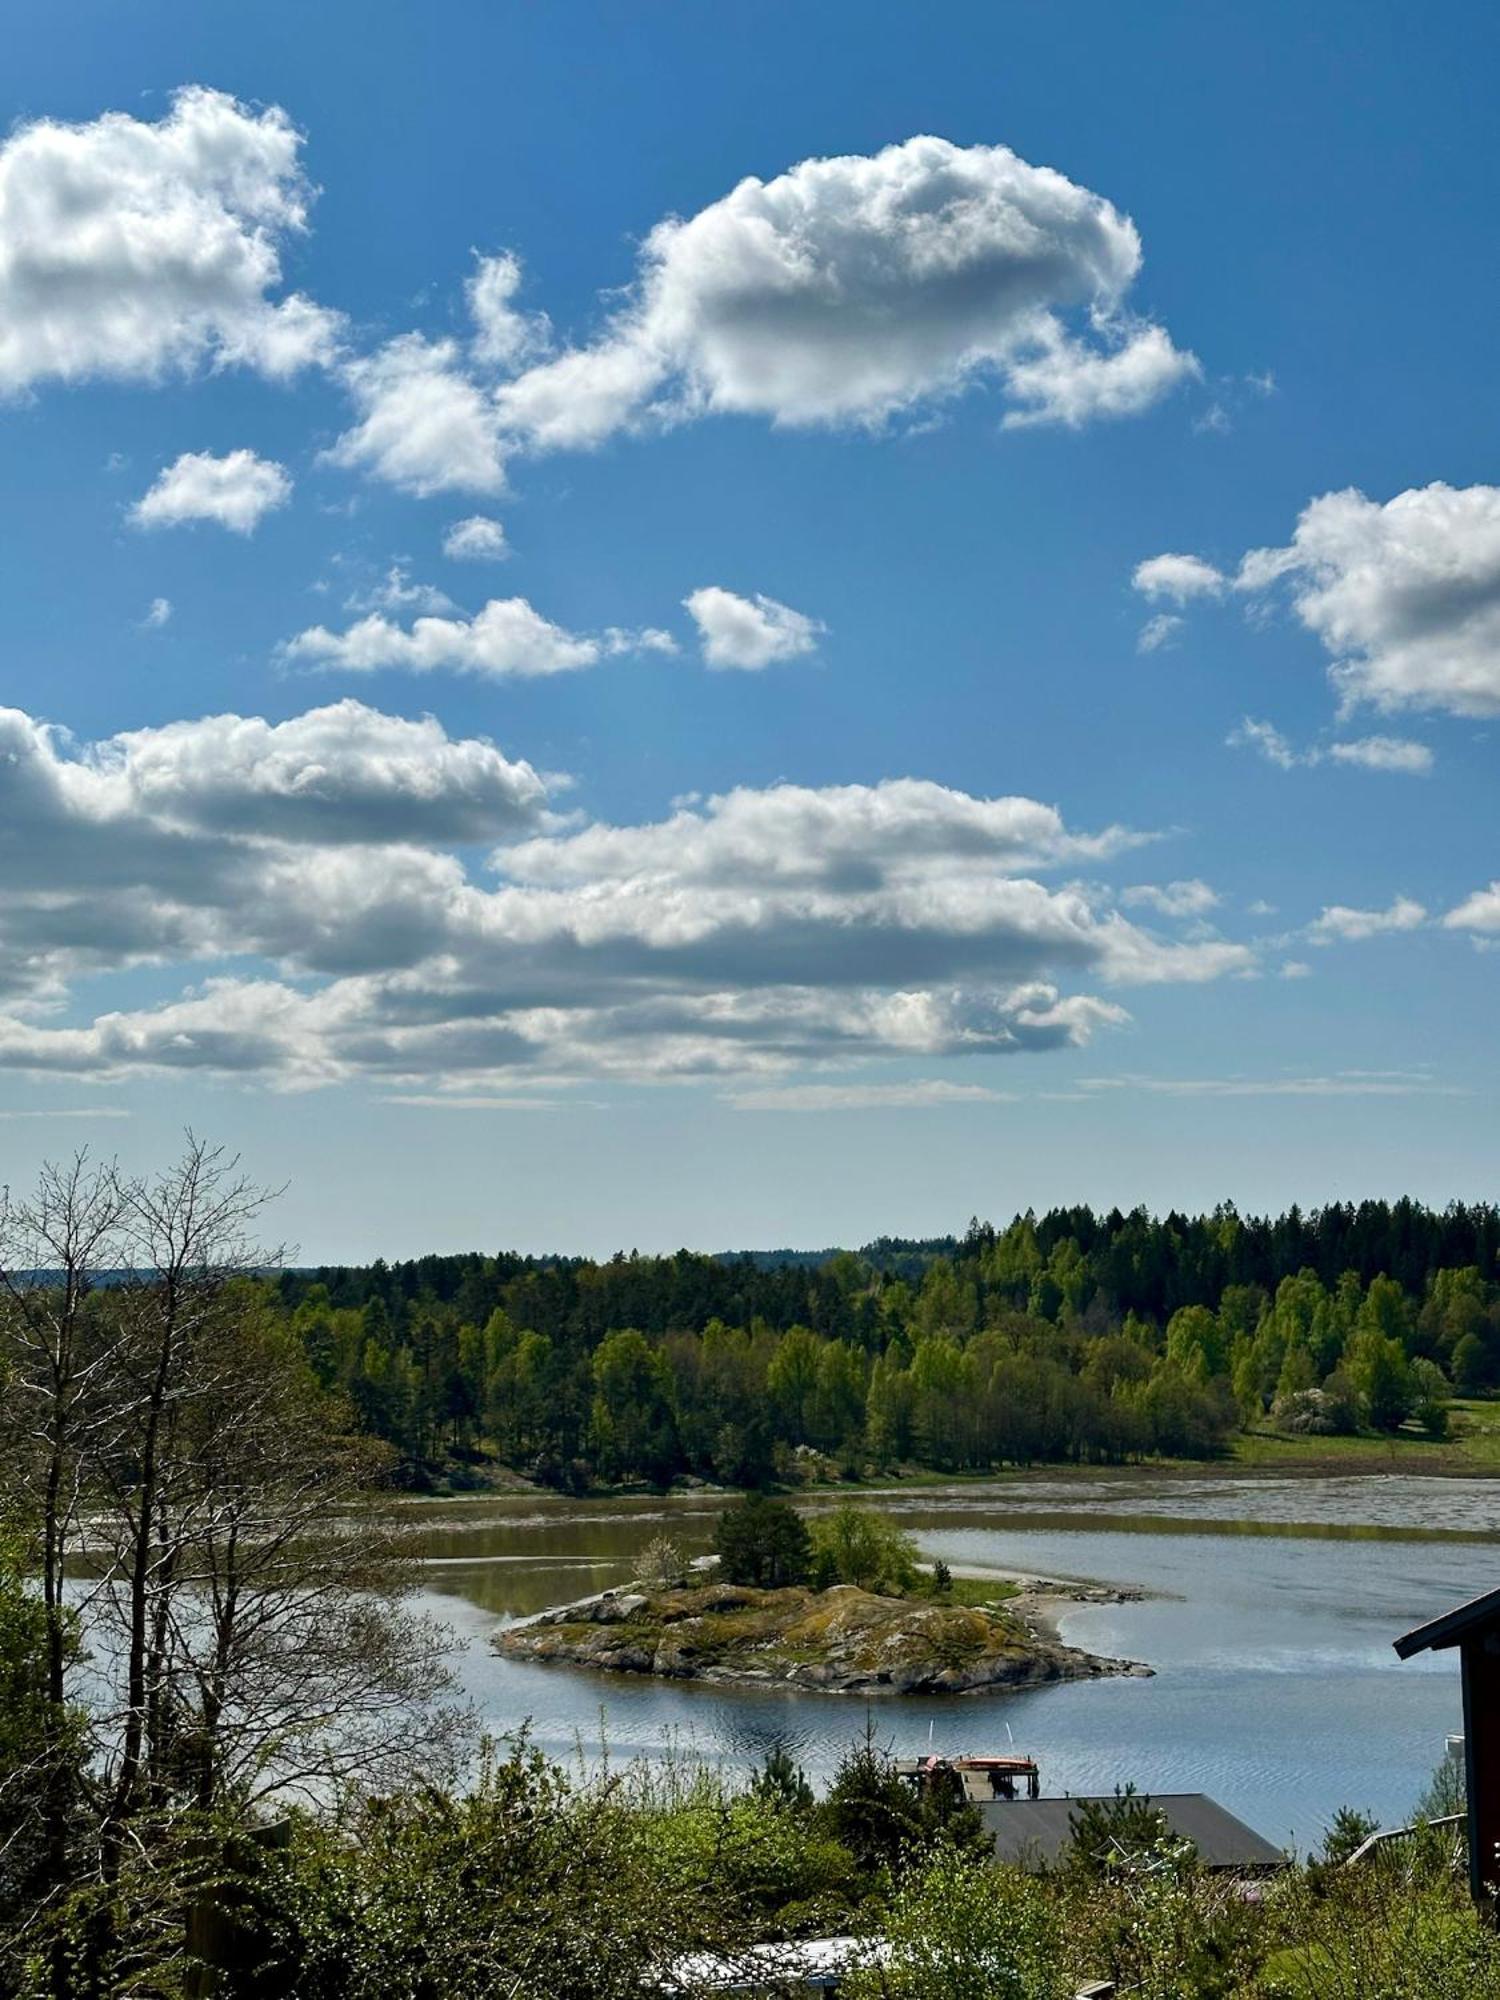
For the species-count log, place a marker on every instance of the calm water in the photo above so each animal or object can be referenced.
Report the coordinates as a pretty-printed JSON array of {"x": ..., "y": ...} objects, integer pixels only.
[{"x": 1272, "y": 1610}]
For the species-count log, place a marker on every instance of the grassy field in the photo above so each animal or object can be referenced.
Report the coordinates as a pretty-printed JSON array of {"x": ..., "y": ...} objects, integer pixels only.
[{"x": 1473, "y": 1447}]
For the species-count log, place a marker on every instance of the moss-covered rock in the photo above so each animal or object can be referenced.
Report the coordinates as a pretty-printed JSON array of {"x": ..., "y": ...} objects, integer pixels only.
[{"x": 842, "y": 1640}]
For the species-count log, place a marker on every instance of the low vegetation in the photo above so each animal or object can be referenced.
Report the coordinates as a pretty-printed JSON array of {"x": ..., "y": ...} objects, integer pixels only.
[{"x": 534, "y": 1882}]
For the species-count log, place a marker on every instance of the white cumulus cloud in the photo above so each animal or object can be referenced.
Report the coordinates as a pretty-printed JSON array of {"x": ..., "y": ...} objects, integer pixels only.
[
  {"x": 130, "y": 250},
  {"x": 302, "y": 882},
  {"x": 508, "y": 637},
  {"x": 1404, "y": 595},
  {"x": 1178, "y": 579},
  {"x": 1384, "y": 753},
  {"x": 477, "y": 539},
  {"x": 1340, "y": 924},
  {"x": 749, "y": 632},
  {"x": 237, "y": 491},
  {"x": 847, "y": 289},
  {"x": 1479, "y": 913},
  {"x": 502, "y": 335},
  {"x": 425, "y": 425}
]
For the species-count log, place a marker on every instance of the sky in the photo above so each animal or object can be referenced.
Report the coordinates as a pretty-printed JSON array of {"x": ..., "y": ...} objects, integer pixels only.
[{"x": 635, "y": 626}]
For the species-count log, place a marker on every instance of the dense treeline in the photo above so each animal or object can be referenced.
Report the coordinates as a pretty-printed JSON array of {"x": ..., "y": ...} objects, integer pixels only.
[{"x": 1071, "y": 1336}]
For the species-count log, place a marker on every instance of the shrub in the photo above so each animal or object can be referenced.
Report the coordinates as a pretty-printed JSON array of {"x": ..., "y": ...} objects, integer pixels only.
[
  {"x": 964, "y": 1930},
  {"x": 661, "y": 1563},
  {"x": 854, "y": 1545},
  {"x": 886, "y": 1823},
  {"x": 1430, "y": 1393}
]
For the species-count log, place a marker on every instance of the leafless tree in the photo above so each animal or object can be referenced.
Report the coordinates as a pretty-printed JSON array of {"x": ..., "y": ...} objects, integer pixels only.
[
  {"x": 244, "y": 1602},
  {"x": 59, "y": 1362}
]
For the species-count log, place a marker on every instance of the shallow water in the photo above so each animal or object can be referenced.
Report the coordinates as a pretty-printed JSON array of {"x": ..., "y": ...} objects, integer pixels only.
[{"x": 1273, "y": 1605}]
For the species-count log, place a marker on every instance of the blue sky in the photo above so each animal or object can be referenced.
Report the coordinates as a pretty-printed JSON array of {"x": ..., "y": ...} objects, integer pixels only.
[{"x": 830, "y": 827}]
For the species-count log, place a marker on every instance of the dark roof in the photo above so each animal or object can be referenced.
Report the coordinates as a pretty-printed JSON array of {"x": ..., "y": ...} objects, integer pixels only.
[
  {"x": 1036, "y": 1831},
  {"x": 1452, "y": 1628}
]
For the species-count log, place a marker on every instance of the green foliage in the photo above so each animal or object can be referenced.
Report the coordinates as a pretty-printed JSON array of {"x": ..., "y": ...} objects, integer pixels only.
[
  {"x": 754, "y": 1856},
  {"x": 1073, "y": 1337},
  {"x": 781, "y": 1781},
  {"x": 852, "y": 1544},
  {"x": 965, "y": 1930},
  {"x": 1122, "y": 1834},
  {"x": 41, "y": 1752},
  {"x": 1378, "y": 1370},
  {"x": 1429, "y": 1397},
  {"x": 521, "y": 1885},
  {"x": 1348, "y": 1830},
  {"x": 1379, "y": 1934},
  {"x": 885, "y": 1822},
  {"x": 763, "y": 1543},
  {"x": 1445, "y": 1792},
  {"x": 1166, "y": 1930}
]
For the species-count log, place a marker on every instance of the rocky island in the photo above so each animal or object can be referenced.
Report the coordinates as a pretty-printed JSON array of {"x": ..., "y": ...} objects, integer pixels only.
[{"x": 838, "y": 1640}]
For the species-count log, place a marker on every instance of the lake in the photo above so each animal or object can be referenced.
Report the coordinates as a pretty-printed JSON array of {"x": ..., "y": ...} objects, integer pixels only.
[{"x": 1273, "y": 1603}]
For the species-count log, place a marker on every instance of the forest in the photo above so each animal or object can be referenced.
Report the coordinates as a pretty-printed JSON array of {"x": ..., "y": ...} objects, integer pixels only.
[{"x": 1069, "y": 1337}]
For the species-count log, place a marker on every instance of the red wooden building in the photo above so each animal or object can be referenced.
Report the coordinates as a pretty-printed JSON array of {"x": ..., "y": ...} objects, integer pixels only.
[{"x": 1474, "y": 1628}]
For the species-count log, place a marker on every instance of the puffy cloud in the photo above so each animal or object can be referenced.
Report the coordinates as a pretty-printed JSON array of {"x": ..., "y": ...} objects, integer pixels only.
[
  {"x": 844, "y": 837},
  {"x": 477, "y": 539},
  {"x": 1384, "y": 753},
  {"x": 158, "y": 613},
  {"x": 1179, "y": 579},
  {"x": 502, "y": 336},
  {"x": 131, "y": 250},
  {"x": 1070, "y": 382},
  {"x": 1340, "y": 924},
  {"x": 425, "y": 425},
  {"x": 507, "y": 638},
  {"x": 306, "y": 870},
  {"x": 749, "y": 632},
  {"x": 848, "y": 289},
  {"x": 1479, "y": 913},
  {"x": 237, "y": 491},
  {"x": 1404, "y": 595},
  {"x": 335, "y": 774}
]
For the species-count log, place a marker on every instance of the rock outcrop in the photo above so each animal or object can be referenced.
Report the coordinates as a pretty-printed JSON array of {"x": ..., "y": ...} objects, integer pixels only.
[{"x": 838, "y": 1641}]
